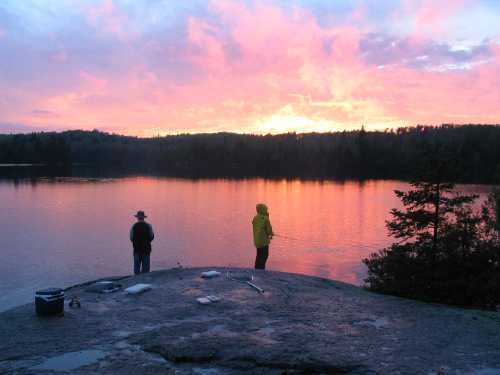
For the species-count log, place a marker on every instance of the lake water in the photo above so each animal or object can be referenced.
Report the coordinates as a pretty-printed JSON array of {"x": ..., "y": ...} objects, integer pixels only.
[{"x": 59, "y": 232}]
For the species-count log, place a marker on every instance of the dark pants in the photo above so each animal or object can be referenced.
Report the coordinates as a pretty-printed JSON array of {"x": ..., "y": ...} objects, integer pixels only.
[
  {"x": 261, "y": 259},
  {"x": 141, "y": 259}
]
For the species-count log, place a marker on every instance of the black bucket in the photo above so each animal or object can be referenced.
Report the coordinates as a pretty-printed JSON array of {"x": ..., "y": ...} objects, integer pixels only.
[{"x": 49, "y": 302}]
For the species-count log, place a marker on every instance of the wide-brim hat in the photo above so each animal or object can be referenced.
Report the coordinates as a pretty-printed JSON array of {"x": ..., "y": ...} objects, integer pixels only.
[{"x": 140, "y": 215}]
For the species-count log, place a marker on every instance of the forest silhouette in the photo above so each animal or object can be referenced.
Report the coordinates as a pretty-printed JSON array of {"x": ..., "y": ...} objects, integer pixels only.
[{"x": 358, "y": 154}]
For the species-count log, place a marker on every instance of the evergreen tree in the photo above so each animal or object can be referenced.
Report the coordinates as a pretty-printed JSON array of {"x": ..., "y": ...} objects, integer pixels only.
[
  {"x": 442, "y": 254},
  {"x": 428, "y": 207},
  {"x": 490, "y": 213},
  {"x": 427, "y": 210}
]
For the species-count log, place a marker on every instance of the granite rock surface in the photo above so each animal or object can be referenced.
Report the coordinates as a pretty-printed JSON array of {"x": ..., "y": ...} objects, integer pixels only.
[{"x": 298, "y": 325}]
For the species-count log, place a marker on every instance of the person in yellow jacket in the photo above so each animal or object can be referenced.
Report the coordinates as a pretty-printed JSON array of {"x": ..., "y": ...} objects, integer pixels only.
[{"x": 262, "y": 235}]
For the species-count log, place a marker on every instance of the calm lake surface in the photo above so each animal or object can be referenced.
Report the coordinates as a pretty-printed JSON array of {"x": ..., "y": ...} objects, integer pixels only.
[{"x": 59, "y": 232}]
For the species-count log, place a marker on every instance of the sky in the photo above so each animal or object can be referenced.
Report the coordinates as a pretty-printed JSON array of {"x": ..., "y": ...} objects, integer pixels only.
[{"x": 157, "y": 67}]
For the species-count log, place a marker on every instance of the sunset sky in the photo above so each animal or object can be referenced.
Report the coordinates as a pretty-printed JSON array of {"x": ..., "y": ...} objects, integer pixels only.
[{"x": 160, "y": 67}]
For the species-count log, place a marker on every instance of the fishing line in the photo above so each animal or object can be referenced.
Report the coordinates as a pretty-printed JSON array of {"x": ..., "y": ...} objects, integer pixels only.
[
  {"x": 290, "y": 238},
  {"x": 308, "y": 242}
]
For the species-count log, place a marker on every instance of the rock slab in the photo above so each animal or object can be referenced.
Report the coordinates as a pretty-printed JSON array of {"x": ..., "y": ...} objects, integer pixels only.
[{"x": 299, "y": 325}]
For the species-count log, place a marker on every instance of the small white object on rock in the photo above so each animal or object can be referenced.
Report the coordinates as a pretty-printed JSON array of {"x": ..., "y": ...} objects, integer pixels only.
[
  {"x": 138, "y": 288},
  {"x": 203, "y": 300},
  {"x": 213, "y": 298},
  {"x": 210, "y": 274},
  {"x": 208, "y": 299}
]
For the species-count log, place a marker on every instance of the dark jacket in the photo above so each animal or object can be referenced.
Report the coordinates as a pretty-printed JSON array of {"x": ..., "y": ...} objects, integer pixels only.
[{"x": 141, "y": 235}]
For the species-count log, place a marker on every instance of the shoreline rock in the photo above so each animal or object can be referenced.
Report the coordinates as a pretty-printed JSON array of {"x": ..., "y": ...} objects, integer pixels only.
[{"x": 299, "y": 325}]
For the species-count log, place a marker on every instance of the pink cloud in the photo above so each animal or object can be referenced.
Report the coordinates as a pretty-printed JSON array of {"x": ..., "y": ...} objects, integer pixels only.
[
  {"x": 92, "y": 83},
  {"x": 428, "y": 18},
  {"x": 432, "y": 13},
  {"x": 109, "y": 19},
  {"x": 260, "y": 66}
]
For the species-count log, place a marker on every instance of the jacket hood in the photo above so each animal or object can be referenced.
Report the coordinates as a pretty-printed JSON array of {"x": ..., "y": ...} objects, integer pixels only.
[{"x": 262, "y": 209}]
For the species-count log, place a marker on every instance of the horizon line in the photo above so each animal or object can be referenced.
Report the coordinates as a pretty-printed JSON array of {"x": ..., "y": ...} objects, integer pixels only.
[{"x": 232, "y": 132}]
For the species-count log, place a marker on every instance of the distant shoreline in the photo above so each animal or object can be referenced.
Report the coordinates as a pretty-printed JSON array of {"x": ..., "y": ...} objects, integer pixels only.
[
  {"x": 112, "y": 176},
  {"x": 358, "y": 154},
  {"x": 22, "y": 165}
]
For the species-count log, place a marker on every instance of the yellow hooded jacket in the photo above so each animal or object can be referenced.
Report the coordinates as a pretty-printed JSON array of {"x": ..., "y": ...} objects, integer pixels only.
[{"x": 262, "y": 229}]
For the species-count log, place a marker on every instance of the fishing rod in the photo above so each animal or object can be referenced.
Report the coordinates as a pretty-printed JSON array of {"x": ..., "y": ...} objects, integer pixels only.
[
  {"x": 245, "y": 280},
  {"x": 303, "y": 241},
  {"x": 288, "y": 237}
]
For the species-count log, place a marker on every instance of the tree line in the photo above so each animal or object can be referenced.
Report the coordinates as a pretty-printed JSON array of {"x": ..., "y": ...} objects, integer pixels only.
[{"x": 357, "y": 154}]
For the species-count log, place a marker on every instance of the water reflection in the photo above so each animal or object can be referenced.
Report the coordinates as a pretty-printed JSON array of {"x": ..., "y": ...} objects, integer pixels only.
[{"x": 60, "y": 231}]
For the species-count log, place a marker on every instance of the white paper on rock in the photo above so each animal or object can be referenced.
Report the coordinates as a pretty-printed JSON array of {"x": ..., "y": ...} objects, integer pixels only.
[
  {"x": 210, "y": 274},
  {"x": 138, "y": 288},
  {"x": 203, "y": 300}
]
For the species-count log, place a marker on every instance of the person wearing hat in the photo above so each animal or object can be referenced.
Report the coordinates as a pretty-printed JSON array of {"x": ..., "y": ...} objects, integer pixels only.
[
  {"x": 141, "y": 235},
  {"x": 262, "y": 235}
]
